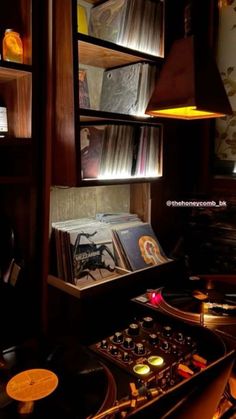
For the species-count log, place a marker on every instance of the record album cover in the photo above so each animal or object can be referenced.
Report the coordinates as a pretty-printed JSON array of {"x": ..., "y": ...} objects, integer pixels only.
[
  {"x": 84, "y": 101},
  {"x": 141, "y": 246},
  {"x": 120, "y": 89},
  {"x": 91, "y": 143},
  {"x": 106, "y": 20},
  {"x": 92, "y": 252}
]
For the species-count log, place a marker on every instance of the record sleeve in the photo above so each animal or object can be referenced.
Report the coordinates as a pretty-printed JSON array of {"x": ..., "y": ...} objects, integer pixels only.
[
  {"x": 84, "y": 101},
  {"x": 82, "y": 20},
  {"x": 91, "y": 145},
  {"x": 120, "y": 89},
  {"x": 106, "y": 20},
  {"x": 141, "y": 246},
  {"x": 92, "y": 253}
]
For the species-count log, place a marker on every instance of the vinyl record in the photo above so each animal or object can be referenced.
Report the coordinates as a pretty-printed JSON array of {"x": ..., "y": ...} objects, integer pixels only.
[
  {"x": 31, "y": 385},
  {"x": 75, "y": 386},
  {"x": 210, "y": 306}
]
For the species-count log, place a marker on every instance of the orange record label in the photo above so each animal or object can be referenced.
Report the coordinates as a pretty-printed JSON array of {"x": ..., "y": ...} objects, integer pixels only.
[{"x": 32, "y": 385}]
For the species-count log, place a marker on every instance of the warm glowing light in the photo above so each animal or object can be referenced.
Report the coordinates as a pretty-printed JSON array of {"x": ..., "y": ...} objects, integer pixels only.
[
  {"x": 155, "y": 360},
  {"x": 234, "y": 169},
  {"x": 155, "y": 298},
  {"x": 109, "y": 176},
  {"x": 188, "y": 112},
  {"x": 224, "y": 3},
  {"x": 141, "y": 369},
  {"x": 217, "y": 414}
]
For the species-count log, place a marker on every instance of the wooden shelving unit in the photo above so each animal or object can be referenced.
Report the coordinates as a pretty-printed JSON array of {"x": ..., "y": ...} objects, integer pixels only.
[
  {"x": 75, "y": 49},
  {"x": 109, "y": 284},
  {"x": 104, "y": 54},
  {"x": 21, "y": 161},
  {"x": 85, "y": 50}
]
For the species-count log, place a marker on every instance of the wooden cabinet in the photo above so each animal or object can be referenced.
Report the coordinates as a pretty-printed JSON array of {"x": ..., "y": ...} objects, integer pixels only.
[
  {"x": 76, "y": 50},
  {"x": 143, "y": 194},
  {"x": 22, "y": 87},
  {"x": 16, "y": 92}
]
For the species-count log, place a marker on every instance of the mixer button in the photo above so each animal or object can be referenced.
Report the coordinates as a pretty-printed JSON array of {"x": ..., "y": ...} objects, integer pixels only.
[
  {"x": 141, "y": 369},
  {"x": 139, "y": 349},
  {"x": 190, "y": 342},
  {"x": 118, "y": 337},
  {"x": 148, "y": 322},
  {"x": 133, "y": 329},
  {"x": 153, "y": 338},
  {"x": 155, "y": 360},
  {"x": 163, "y": 382},
  {"x": 128, "y": 343},
  {"x": 167, "y": 331},
  {"x": 174, "y": 349}
]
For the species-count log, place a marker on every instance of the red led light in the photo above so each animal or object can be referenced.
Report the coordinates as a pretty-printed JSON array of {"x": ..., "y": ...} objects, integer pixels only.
[{"x": 155, "y": 298}]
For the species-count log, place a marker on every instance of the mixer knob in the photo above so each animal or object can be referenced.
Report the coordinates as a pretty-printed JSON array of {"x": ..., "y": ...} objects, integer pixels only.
[
  {"x": 114, "y": 350},
  {"x": 165, "y": 345},
  {"x": 139, "y": 349},
  {"x": 148, "y": 322},
  {"x": 180, "y": 337},
  {"x": 118, "y": 337},
  {"x": 103, "y": 344},
  {"x": 126, "y": 357},
  {"x": 153, "y": 338},
  {"x": 128, "y": 343},
  {"x": 167, "y": 331},
  {"x": 133, "y": 329}
]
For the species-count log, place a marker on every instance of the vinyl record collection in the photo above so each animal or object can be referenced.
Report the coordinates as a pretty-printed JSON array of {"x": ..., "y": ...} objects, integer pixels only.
[
  {"x": 88, "y": 251},
  {"x": 126, "y": 90},
  {"x": 120, "y": 151},
  {"x": 136, "y": 24}
]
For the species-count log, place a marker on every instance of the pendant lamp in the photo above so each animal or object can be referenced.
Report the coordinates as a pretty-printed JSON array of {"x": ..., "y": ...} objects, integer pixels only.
[{"x": 189, "y": 86}]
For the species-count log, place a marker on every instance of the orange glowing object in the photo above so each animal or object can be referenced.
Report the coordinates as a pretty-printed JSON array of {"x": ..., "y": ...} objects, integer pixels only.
[
  {"x": 187, "y": 112},
  {"x": 31, "y": 385},
  {"x": 12, "y": 48}
]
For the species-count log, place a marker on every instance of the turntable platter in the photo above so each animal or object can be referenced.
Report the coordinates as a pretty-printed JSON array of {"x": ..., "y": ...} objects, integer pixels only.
[
  {"x": 208, "y": 306},
  {"x": 59, "y": 379}
]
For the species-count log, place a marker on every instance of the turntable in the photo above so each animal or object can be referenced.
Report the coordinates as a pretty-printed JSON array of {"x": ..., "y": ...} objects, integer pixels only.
[
  {"x": 207, "y": 303},
  {"x": 45, "y": 380},
  {"x": 161, "y": 361}
]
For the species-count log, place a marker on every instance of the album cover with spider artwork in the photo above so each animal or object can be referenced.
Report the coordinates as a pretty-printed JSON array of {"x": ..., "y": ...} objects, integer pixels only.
[{"x": 91, "y": 253}]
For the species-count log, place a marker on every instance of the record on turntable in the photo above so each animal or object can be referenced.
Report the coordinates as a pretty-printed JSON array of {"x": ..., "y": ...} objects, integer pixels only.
[
  {"x": 31, "y": 385},
  {"x": 48, "y": 380},
  {"x": 206, "y": 304}
]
